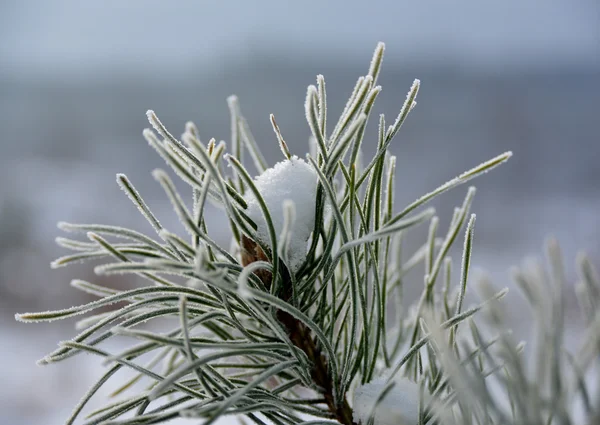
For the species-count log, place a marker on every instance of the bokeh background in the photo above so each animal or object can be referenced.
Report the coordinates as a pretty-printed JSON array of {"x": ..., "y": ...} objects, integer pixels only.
[{"x": 76, "y": 78}]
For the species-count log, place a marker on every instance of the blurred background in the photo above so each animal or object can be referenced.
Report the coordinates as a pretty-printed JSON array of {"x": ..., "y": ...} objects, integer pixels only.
[{"x": 76, "y": 79}]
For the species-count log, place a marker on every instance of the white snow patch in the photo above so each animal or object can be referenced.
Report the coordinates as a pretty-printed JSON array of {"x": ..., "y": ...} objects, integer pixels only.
[
  {"x": 400, "y": 406},
  {"x": 293, "y": 180}
]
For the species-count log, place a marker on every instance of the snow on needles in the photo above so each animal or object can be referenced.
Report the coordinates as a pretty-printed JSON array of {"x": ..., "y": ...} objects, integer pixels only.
[
  {"x": 290, "y": 180},
  {"x": 400, "y": 406}
]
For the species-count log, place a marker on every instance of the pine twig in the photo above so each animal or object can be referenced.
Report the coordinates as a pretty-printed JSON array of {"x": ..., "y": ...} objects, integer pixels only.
[{"x": 300, "y": 335}]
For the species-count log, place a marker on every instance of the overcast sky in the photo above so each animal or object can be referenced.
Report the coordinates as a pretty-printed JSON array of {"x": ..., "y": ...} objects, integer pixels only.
[{"x": 64, "y": 37}]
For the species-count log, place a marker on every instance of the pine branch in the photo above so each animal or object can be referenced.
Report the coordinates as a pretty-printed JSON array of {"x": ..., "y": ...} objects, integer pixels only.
[{"x": 310, "y": 296}]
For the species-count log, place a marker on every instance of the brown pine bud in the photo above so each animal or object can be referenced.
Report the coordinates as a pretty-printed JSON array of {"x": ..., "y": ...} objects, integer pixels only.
[{"x": 251, "y": 252}]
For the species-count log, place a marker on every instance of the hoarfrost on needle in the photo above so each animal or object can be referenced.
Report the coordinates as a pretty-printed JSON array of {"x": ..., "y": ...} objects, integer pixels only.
[{"x": 292, "y": 180}]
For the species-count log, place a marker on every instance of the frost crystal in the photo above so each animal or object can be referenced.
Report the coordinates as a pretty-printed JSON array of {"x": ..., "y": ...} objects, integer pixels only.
[
  {"x": 293, "y": 180},
  {"x": 400, "y": 406}
]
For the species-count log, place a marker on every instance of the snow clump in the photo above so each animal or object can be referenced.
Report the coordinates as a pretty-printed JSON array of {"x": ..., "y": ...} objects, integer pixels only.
[
  {"x": 400, "y": 406},
  {"x": 292, "y": 180}
]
